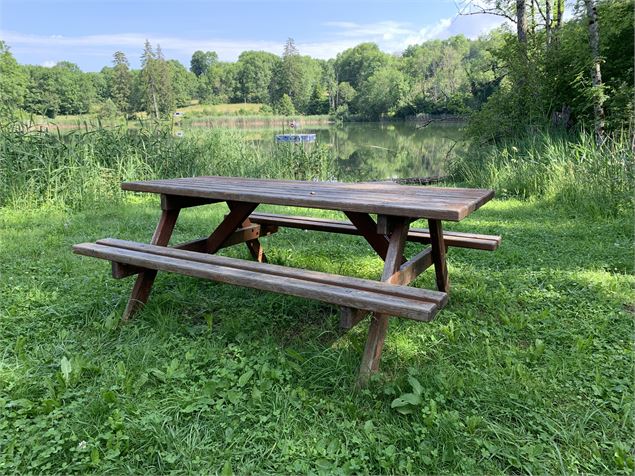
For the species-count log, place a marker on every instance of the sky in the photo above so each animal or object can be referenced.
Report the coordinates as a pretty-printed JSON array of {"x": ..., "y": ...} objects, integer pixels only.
[{"x": 88, "y": 32}]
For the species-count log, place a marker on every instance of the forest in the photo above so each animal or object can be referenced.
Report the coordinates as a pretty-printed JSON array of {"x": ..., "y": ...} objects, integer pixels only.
[{"x": 506, "y": 81}]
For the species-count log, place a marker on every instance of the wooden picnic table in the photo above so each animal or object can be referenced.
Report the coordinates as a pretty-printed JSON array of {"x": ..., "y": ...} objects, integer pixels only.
[{"x": 395, "y": 206}]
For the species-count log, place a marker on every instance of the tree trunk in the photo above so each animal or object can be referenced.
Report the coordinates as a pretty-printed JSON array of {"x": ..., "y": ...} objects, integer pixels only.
[
  {"x": 548, "y": 21},
  {"x": 560, "y": 14},
  {"x": 596, "y": 74},
  {"x": 521, "y": 21}
]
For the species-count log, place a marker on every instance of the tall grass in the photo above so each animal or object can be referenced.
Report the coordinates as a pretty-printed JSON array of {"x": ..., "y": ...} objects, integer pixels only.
[
  {"x": 570, "y": 172},
  {"x": 84, "y": 168}
]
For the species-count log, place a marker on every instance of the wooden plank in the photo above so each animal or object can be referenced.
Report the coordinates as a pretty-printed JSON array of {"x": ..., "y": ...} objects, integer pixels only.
[
  {"x": 239, "y": 212},
  {"x": 173, "y": 202},
  {"x": 350, "y": 317},
  {"x": 409, "y": 271},
  {"x": 120, "y": 271},
  {"x": 143, "y": 284},
  {"x": 333, "y": 294},
  {"x": 416, "y": 235},
  {"x": 285, "y": 271},
  {"x": 379, "y": 321},
  {"x": 253, "y": 245},
  {"x": 400, "y": 200},
  {"x": 367, "y": 227},
  {"x": 438, "y": 255}
]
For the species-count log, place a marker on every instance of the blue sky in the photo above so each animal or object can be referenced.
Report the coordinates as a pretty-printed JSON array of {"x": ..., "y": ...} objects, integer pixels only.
[{"x": 88, "y": 32}]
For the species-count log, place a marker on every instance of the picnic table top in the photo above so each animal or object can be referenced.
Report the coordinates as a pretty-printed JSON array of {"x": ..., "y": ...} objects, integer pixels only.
[{"x": 369, "y": 197}]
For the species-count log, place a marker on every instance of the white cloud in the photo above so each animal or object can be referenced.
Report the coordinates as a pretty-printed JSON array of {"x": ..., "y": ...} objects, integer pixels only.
[
  {"x": 391, "y": 36},
  {"x": 49, "y": 63}
]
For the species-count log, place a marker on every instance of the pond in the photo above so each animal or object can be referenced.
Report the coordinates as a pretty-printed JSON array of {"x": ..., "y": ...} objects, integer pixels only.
[{"x": 377, "y": 151}]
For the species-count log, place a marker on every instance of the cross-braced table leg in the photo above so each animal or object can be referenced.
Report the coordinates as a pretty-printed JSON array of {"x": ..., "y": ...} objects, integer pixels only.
[
  {"x": 379, "y": 322},
  {"x": 145, "y": 279},
  {"x": 239, "y": 213}
]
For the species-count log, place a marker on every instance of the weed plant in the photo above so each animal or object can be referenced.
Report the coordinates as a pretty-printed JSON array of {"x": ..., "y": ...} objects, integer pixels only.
[{"x": 569, "y": 172}]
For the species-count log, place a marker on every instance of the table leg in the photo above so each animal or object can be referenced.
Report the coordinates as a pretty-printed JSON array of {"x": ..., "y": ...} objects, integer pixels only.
[
  {"x": 379, "y": 322},
  {"x": 145, "y": 279},
  {"x": 438, "y": 255},
  {"x": 238, "y": 213},
  {"x": 255, "y": 248}
]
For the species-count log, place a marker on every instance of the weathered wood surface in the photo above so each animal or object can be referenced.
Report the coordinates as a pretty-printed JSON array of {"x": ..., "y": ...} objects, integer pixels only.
[
  {"x": 379, "y": 321},
  {"x": 274, "y": 269},
  {"x": 388, "y": 199},
  {"x": 418, "y": 235},
  {"x": 417, "y": 304},
  {"x": 438, "y": 255},
  {"x": 143, "y": 284},
  {"x": 350, "y": 317}
]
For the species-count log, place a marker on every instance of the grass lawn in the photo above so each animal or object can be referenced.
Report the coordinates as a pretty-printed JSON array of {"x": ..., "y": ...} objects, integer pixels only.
[
  {"x": 529, "y": 368},
  {"x": 221, "y": 109}
]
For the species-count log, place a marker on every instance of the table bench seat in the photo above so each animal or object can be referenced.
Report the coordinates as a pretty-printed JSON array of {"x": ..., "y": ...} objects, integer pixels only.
[
  {"x": 418, "y": 235},
  {"x": 367, "y": 295}
]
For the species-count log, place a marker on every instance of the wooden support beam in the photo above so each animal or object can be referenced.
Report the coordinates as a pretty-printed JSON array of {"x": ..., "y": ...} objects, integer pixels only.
[
  {"x": 239, "y": 213},
  {"x": 411, "y": 269},
  {"x": 368, "y": 229},
  {"x": 176, "y": 202},
  {"x": 379, "y": 322},
  {"x": 350, "y": 317},
  {"x": 438, "y": 255},
  {"x": 143, "y": 285},
  {"x": 120, "y": 270}
]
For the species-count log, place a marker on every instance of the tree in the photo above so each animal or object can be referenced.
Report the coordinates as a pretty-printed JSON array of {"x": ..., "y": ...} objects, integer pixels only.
[
  {"x": 285, "y": 106},
  {"x": 596, "y": 73},
  {"x": 383, "y": 93},
  {"x": 254, "y": 73},
  {"x": 156, "y": 82},
  {"x": 73, "y": 87},
  {"x": 183, "y": 83},
  {"x": 42, "y": 95},
  {"x": 357, "y": 64},
  {"x": 121, "y": 82},
  {"x": 13, "y": 82},
  {"x": 319, "y": 102},
  {"x": 202, "y": 61}
]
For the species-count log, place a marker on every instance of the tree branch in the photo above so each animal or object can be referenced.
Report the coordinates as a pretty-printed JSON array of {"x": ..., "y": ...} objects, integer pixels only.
[{"x": 466, "y": 10}]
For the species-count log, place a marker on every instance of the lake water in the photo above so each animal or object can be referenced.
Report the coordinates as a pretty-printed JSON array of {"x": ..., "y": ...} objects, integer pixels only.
[{"x": 376, "y": 151}]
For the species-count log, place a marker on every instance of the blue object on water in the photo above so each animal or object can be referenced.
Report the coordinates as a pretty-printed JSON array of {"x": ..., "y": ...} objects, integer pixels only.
[{"x": 295, "y": 137}]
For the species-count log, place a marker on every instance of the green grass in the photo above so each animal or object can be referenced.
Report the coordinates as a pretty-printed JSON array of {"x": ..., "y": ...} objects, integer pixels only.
[
  {"x": 222, "y": 109},
  {"x": 82, "y": 168},
  {"x": 528, "y": 369},
  {"x": 567, "y": 171}
]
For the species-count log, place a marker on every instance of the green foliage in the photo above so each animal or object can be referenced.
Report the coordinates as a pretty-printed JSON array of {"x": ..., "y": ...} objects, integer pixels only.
[
  {"x": 13, "y": 82},
  {"x": 155, "y": 77},
  {"x": 254, "y": 75},
  {"x": 202, "y": 61},
  {"x": 80, "y": 169},
  {"x": 285, "y": 106},
  {"x": 550, "y": 82},
  {"x": 356, "y": 65},
  {"x": 183, "y": 83},
  {"x": 217, "y": 378},
  {"x": 121, "y": 82},
  {"x": 382, "y": 93},
  {"x": 570, "y": 172}
]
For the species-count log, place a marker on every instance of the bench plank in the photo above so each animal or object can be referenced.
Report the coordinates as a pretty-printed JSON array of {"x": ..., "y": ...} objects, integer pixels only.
[
  {"x": 284, "y": 271},
  {"x": 418, "y": 309},
  {"x": 418, "y": 235}
]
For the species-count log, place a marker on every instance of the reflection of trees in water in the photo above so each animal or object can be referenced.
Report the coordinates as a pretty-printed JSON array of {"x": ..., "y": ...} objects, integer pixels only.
[{"x": 376, "y": 151}]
